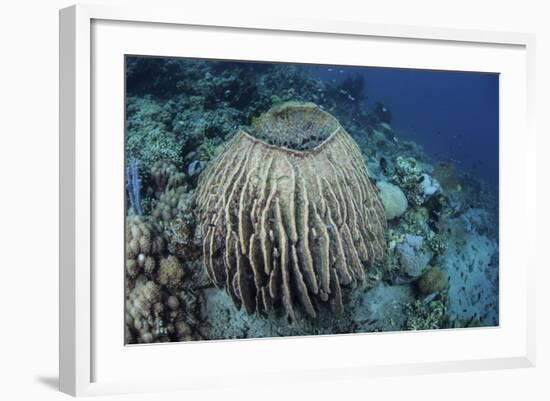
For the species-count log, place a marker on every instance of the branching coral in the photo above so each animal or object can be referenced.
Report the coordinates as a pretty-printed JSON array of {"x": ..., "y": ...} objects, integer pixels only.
[
  {"x": 165, "y": 175},
  {"x": 288, "y": 214},
  {"x": 143, "y": 310},
  {"x": 149, "y": 138},
  {"x": 172, "y": 204},
  {"x": 142, "y": 245},
  {"x": 154, "y": 315}
]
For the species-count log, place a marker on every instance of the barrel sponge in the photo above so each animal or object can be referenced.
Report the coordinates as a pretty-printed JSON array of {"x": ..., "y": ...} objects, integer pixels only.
[
  {"x": 288, "y": 215},
  {"x": 393, "y": 199}
]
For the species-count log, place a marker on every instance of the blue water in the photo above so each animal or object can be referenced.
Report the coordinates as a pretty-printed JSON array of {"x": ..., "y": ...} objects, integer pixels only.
[{"x": 453, "y": 115}]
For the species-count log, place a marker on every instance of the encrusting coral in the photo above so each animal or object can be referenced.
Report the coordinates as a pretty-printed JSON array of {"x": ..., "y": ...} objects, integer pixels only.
[{"x": 288, "y": 213}]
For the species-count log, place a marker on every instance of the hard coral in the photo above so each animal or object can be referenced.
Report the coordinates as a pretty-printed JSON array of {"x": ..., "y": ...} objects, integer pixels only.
[
  {"x": 170, "y": 272},
  {"x": 173, "y": 218},
  {"x": 143, "y": 308},
  {"x": 432, "y": 280},
  {"x": 393, "y": 199},
  {"x": 142, "y": 245},
  {"x": 288, "y": 213},
  {"x": 166, "y": 175}
]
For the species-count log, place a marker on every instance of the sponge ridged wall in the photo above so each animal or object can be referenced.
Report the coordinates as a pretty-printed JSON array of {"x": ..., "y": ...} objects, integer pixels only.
[{"x": 290, "y": 227}]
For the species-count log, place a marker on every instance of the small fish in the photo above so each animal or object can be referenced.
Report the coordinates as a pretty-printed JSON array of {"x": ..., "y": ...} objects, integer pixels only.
[
  {"x": 211, "y": 225},
  {"x": 329, "y": 69}
]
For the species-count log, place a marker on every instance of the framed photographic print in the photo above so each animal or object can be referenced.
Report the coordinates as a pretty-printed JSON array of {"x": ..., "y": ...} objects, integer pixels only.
[{"x": 290, "y": 198}]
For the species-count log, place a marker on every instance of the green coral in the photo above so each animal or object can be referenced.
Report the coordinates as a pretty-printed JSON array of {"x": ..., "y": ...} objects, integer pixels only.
[{"x": 425, "y": 316}]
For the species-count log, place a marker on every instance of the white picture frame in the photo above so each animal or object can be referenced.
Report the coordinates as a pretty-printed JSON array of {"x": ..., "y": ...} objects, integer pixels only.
[{"x": 94, "y": 361}]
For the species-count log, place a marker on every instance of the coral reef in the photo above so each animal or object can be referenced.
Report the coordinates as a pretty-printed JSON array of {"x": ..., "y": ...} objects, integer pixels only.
[
  {"x": 143, "y": 310},
  {"x": 155, "y": 315},
  {"x": 287, "y": 226},
  {"x": 148, "y": 134},
  {"x": 393, "y": 199},
  {"x": 191, "y": 123}
]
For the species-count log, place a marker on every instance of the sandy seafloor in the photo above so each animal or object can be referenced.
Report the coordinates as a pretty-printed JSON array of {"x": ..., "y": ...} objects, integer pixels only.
[{"x": 441, "y": 264}]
